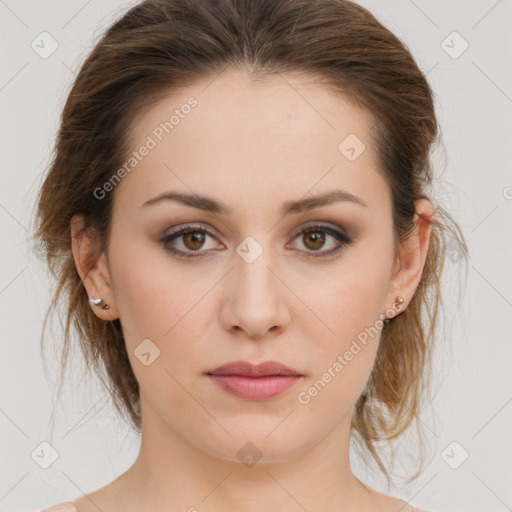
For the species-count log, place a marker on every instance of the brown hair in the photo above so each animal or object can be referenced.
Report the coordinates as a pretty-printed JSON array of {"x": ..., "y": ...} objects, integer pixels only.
[{"x": 161, "y": 45}]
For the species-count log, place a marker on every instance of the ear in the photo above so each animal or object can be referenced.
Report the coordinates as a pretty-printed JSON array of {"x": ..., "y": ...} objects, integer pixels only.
[
  {"x": 411, "y": 256},
  {"x": 92, "y": 267}
]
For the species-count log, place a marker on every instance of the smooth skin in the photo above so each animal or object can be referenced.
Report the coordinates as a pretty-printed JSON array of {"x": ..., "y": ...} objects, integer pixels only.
[{"x": 252, "y": 146}]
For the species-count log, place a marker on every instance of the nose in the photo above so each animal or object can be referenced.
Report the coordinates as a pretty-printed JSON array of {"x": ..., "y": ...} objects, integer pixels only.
[{"x": 255, "y": 299}]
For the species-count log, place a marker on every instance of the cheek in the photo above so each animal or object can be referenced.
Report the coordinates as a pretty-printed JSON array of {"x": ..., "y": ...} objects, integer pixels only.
[
  {"x": 341, "y": 362},
  {"x": 156, "y": 311},
  {"x": 344, "y": 305},
  {"x": 344, "y": 333},
  {"x": 154, "y": 301},
  {"x": 160, "y": 302},
  {"x": 143, "y": 284},
  {"x": 349, "y": 296}
]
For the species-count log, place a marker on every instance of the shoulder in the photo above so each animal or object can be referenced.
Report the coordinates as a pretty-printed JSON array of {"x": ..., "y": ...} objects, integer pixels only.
[
  {"x": 416, "y": 509},
  {"x": 411, "y": 508},
  {"x": 66, "y": 506}
]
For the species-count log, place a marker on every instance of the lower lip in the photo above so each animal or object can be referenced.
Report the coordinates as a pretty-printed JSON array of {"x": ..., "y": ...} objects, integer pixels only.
[{"x": 255, "y": 388}]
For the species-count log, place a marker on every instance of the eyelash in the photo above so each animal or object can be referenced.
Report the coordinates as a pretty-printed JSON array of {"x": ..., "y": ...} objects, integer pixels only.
[{"x": 340, "y": 236}]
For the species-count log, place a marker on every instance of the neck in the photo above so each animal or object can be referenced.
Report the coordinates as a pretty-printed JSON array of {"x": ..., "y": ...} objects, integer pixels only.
[{"x": 172, "y": 474}]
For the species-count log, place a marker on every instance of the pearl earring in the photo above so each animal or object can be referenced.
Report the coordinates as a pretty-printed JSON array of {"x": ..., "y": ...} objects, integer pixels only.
[
  {"x": 99, "y": 303},
  {"x": 399, "y": 301},
  {"x": 397, "y": 305}
]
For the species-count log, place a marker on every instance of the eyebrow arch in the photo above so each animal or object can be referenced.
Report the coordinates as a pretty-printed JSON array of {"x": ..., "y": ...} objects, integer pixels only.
[
  {"x": 310, "y": 203},
  {"x": 196, "y": 201},
  {"x": 289, "y": 207}
]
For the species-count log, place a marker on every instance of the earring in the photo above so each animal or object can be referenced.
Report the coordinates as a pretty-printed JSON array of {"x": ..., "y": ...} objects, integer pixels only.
[
  {"x": 99, "y": 303},
  {"x": 399, "y": 301},
  {"x": 397, "y": 305}
]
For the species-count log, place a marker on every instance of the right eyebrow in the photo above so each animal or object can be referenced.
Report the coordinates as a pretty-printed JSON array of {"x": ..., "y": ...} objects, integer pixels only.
[
  {"x": 310, "y": 203},
  {"x": 196, "y": 201}
]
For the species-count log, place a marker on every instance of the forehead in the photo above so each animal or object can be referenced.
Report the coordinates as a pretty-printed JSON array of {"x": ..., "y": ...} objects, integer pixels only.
[
  {"x": 284, "y": 133},
  {"x": 234, "y": 105}
]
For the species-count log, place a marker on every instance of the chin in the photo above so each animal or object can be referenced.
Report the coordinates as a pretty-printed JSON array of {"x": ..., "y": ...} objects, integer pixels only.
[{"x": 260, "y": 444}]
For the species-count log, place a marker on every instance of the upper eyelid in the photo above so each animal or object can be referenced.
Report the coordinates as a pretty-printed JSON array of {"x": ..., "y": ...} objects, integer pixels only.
[
  {"x": 321, "y": 225},
  {"x": 213, "y": 232},
  {"x": 181, "y": 230}
]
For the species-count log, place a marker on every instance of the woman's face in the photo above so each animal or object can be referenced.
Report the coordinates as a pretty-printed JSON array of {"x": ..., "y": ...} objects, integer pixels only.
[{"x": 259, "y": 283}]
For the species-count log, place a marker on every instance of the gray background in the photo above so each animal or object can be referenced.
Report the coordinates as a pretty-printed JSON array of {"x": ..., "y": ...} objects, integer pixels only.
[{"x": 474, "y": 404}]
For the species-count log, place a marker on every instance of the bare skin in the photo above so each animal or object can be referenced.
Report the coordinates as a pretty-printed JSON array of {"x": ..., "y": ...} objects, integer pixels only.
[{"x": 252, "y": 146}]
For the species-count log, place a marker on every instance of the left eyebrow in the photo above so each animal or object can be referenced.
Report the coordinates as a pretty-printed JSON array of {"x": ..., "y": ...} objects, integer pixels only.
[
  {"x": 289, "y": 207},
  {"x": 201, "y": 202}
]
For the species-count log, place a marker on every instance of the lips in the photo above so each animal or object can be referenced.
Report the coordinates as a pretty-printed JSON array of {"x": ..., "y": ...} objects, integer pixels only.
[
  {"x": 243, "y": 368},
  {"x": 254, "y": 382}
]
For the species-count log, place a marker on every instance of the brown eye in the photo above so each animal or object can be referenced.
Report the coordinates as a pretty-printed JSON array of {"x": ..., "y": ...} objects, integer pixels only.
[
  {"x": 322, "y": 241},
  {"x": 189, "y": 242},
  {"x": 194, "y": 240},
  {"x": 313, "y": 239}
]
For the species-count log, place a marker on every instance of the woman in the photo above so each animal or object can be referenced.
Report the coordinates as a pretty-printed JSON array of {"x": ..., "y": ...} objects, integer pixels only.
[{"x": 239, "y": 220}]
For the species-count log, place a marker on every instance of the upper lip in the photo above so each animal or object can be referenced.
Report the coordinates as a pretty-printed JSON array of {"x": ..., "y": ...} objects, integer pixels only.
[{"x": 247, "y": 369}]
